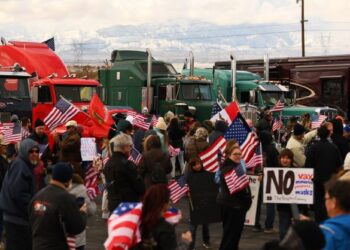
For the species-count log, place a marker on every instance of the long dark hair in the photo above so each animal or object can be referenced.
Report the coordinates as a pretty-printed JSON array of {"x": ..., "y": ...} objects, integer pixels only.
[{"x": 153, "y": 202}]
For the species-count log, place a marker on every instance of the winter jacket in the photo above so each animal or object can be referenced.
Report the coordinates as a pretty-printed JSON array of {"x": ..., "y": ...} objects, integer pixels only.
[
  {"x": 79, "y": 190},
  {"x": 151, "y": 159},
  {"x": 54, "y": 214},
  {"x": 175, "y": 137},
  {"x": 298, "y": 148},
  {"x": 324, "y": 157},
  {"x": 342, "y": 143},
  {"x": 337, "y": 232},
  {"x": 124, "y": 184},
  {"x": 18, "y": 186},
  {"x": 239, "y": 200},
  {"x": 3, "y": 168}
]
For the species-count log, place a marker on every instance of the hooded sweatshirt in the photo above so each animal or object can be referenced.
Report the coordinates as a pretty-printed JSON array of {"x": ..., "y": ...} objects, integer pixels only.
[
  {"x": 18, "y": 186},
  {"x": 337, "y": 232}
]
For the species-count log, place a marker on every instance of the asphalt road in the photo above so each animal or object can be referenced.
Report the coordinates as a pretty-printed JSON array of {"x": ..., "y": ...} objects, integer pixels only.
[{"x": 97, "y": 232}]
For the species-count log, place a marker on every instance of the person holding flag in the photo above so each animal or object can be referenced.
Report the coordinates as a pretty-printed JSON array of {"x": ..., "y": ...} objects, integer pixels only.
[{"x": 234, "y": 197}]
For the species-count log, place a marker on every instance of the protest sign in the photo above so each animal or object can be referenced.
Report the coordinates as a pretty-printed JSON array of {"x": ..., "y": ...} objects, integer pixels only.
[
  {"x": 254, "y": 185},
  {"x": 288, "y": 185},
  {"x": 88, "y": 148},
  {"x": 204, "y": 208}
]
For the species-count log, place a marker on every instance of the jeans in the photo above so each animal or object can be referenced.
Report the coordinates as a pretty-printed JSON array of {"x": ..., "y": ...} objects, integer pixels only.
[
  {"x": 18, "y": 237},
  {"x": 285, "y": 218},
  {"x": 180, "y": 158},
  {"x": 270, "y": 215},
  {"x": 205, "y": 234}
]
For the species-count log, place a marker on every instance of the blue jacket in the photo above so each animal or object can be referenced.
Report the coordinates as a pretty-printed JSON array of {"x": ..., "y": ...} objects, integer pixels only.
[
  {"x": 18, "y": 186},
  {"x": 337, "y": 232}
]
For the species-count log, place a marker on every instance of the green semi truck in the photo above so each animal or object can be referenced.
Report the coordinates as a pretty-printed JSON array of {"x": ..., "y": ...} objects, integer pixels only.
[
  {"x": 137, "y": 80},
  {"x": 253, "y": 90}
]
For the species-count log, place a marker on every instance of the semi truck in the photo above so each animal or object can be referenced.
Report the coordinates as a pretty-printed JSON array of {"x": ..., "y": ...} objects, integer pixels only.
[
  {"x": 42, "y": 81},
  {"x": 252, "y": 89},
  {"x": 138, "y": 80}
]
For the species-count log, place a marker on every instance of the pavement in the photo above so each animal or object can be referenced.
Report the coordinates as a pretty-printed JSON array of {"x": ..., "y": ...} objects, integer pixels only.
[{"x": 97, "y": 231}]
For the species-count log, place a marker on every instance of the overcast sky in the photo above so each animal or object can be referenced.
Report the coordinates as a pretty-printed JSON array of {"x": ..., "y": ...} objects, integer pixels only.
[{"x": 38, "y": 20}]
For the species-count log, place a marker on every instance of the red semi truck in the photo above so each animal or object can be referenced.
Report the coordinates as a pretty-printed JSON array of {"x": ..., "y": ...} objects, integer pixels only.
[{"x": 49, "y": 79}]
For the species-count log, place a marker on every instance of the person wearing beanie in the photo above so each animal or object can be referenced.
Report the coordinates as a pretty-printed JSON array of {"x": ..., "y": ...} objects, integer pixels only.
[
  {"x": 17, "y": 191},
  {"x": 54, "y": 213},
  {"x": 125, "y": 127},
  {"x": 297, "y": 143}
]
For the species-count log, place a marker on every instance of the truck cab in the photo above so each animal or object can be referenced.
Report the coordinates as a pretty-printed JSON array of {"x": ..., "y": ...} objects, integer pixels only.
[
  {"x": 126, "y": 85},
  {"x": 14, "y": 93}
]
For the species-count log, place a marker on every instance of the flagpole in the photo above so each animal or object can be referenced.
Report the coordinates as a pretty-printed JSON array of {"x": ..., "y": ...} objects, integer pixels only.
[{"x": 279, "y": 131}]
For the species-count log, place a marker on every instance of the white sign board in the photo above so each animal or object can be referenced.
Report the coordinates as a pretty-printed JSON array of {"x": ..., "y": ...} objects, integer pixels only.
[
  {"x": 288, "y": 185},
  {"x": 88, "y": 148},
  {"x": 254, "y": 185}
]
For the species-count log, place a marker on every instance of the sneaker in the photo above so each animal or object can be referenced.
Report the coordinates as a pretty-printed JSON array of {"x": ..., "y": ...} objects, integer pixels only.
[
  {"x": 269, "y": 231},
  {"x": 206, "y": 245}
]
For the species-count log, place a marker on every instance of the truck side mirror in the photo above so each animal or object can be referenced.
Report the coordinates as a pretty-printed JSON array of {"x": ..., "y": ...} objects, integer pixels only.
[
  {"x": 101, "y": 92},
  {"x": 252, "y": 95},
  {"x": 34, "y": 94}
]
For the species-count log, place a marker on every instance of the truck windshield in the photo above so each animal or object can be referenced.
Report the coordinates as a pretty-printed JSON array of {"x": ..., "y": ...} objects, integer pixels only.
[
  {"x": 75, "y": 93},
  {"x": 270, "y": 98},
  {"x": 196, "y": 92},
  {"x": 16, "y": 88},
  {"x": 160, "y": 69}
]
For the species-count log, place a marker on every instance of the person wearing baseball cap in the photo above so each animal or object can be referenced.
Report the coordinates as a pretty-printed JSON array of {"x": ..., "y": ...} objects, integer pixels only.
[{"x": 54, "y": 213}]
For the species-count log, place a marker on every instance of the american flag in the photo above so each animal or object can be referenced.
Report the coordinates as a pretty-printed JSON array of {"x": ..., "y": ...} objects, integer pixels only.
[
  {"x": 91, "y": 182},
  {"x": 178, "y": 188},
  {"x": 247, "y": 139},
  {"x": 173, "y": 151},
  {"x": 215, "y": 109},
  {"x": 236, "y": 179},
  {"x": 277, "y": 124},
  {"x": 123, "y": 225},
  {"x": 105, "y": 160},
  {"x": 135, "y": 156},
  {"x": 61, "y": 113},
  {"x": 317, "y": 120},
  {"x": 50, "y": 43},
  {"x": 12, "y": 132},
  {"x": 25, "y": 133},
  {"x": 210, "y": 158},
  {"x": 279, "y": 106},
  {"x": 257, "y": 158}
]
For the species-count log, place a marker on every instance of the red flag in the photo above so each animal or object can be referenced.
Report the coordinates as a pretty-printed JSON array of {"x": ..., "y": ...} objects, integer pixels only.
[
  {"x": 228, "y": 114},
  {"x": 98, "y": 112}
]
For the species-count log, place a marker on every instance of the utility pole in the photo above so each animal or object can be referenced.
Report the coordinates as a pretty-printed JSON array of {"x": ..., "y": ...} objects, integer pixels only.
[{"x": 302, "y": 21}]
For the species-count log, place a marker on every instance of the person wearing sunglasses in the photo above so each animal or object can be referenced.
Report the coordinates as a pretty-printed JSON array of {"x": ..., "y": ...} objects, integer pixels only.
[{"x": 17, "y": 191}]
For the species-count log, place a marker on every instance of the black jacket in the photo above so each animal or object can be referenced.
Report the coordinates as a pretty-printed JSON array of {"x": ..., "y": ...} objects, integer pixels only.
[
  {"x": 3, "y": 168},
  {"x": 324, "y": 157},
  {"x": 240, "y": 200},
  {"x": 124, "y": 184},
  {"x": 342, "y": 143},
  {"x": 54, "y": 214},
  {"x": 175, "y": 137},
  {"x": 18, "y": 186}
]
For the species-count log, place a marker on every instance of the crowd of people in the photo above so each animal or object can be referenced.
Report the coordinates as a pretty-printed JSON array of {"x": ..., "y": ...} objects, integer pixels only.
[{"x": 44, "y": 200}]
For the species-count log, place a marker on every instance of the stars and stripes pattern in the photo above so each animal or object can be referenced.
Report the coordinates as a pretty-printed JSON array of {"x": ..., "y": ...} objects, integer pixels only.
[
  {"x": 62, "y": 112},
  {"x": 135, "y": 156},
  {"x": 279, "y": 106},
  {"x": 236, "y": 179},
  {"x": 123, "y": 225},
  {"x": 140, "y": 120},
  {"x": 277, "y": 124},
  {"x": 173, "y": 151},
  {"x": 257, "y": 158},
  {"x": 71, "y": 242},
  {"x": 178, "y": 188},
  {"x": 91, "y": 182},
  {"x": 317, "y": 121},
  {"x": 210, "y": 158},
  {"x": 228, "y": 114},
  {"x": 247, "y": 139},
  {"x": 12, "y": 132}
]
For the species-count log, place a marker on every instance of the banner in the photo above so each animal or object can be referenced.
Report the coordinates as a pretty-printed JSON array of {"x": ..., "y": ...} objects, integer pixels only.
[
  {"x": 203, "y": 206},
  {"x": 254, "y": 185},
  {"x": 88, "y": 148},
  {"x": 288, "y": 185}
]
